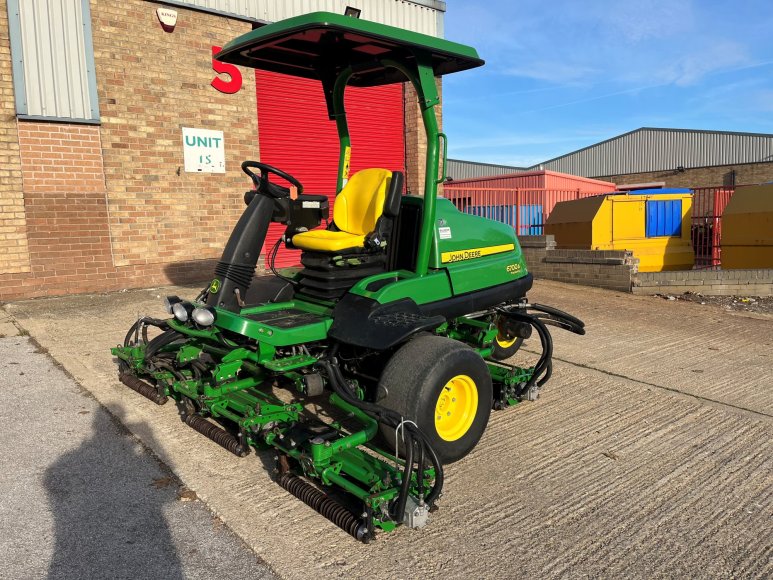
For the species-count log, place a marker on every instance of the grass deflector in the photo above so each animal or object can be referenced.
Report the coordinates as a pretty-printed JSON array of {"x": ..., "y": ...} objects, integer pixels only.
[{"x": 399, "y": 322}]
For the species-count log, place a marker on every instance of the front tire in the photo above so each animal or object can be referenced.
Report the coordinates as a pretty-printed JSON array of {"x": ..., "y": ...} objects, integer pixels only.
[
  {"x": 445, "y": 388},
  {"x": 505, "y": 347}
]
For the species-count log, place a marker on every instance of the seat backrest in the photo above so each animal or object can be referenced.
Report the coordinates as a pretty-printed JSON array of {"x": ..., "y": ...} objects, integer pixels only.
[{"x": 361, "y": 201}]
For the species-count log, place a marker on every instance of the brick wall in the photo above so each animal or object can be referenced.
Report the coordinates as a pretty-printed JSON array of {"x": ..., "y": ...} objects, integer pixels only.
[
  {"x": 746, "y": 174},
  {"x": 618, "y": 270},
  {"x": 14, "y": 255},
  {"x": 416, "y": 139},
  {"x": 67, "y": 214},
  {"x": 151, "y": 84},
  {"x": 64, "y": 193},
  {"x": 613, "y": 269},
  {"x": 707, "y": 282},
  {"x": 110, "y": 206}
]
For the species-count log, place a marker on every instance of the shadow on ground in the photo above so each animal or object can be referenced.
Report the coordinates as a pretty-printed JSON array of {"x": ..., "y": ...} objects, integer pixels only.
[{"x": 108, "y": 523}]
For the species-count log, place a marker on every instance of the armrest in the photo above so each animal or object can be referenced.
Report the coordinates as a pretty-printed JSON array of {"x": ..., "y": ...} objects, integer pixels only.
[
  {"x": 311, "y": 201},
  {"x": 306, "y": 213}
]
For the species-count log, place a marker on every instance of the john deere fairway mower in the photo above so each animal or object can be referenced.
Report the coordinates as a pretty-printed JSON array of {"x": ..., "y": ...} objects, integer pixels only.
[{"x": 401, "y": 317}]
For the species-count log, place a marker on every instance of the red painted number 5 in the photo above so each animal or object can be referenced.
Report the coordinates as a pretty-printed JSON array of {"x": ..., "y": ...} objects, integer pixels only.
[{"x": 230, "y": 86}]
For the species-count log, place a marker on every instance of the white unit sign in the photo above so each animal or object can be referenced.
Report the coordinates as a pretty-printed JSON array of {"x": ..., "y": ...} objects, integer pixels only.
[{"x": 203, "y": 150}]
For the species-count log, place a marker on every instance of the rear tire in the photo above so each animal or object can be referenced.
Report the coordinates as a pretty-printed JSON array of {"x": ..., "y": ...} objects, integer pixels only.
[{"x": 445, "y": 388}]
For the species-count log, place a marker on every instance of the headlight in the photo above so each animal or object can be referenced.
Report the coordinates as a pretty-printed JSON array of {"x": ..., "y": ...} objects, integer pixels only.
[
  {"x": 170, "y": 301},
  {"x": 203, "y": 316},
  {"x": 181, "y": 311}
]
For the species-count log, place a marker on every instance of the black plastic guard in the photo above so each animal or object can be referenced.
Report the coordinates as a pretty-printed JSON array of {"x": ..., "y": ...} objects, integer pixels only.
[
  {"x": 361, "y": 321},
  {"x": 463, "y": 304},
  {"x": 236, "y": 267}
]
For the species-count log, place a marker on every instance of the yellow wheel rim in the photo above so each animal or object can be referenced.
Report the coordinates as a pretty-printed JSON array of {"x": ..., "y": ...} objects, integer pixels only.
[
  {"x": 504, "y": 343},
  {"x": 456, "y": 407}
]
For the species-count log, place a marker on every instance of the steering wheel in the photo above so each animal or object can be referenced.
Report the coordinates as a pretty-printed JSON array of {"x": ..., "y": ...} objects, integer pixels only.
[{"x": 263, "y": 185}]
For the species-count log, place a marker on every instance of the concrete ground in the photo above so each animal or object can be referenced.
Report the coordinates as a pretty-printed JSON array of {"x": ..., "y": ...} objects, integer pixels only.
[
  {"x": 81, "y": 498},
  {"x": 649, "y": 454}
]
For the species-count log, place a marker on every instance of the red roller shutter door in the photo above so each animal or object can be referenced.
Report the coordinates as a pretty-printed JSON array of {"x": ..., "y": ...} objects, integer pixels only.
[{"x": 296, "y": 135}]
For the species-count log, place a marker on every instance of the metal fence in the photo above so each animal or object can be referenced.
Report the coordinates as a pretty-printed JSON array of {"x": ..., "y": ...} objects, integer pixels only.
[
  {"x": 527, "y": 210},
  {"x": 708, "y": 205}
]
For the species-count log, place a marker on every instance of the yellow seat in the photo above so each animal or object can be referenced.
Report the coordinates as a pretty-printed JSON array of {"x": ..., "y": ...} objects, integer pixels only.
[
  {"x": 328, "y": 241},
  {"x": 355, "y": 213}
]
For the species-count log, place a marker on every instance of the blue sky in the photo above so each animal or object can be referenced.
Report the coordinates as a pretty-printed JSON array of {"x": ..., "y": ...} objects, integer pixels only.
[{"x": 563, "y": 74}]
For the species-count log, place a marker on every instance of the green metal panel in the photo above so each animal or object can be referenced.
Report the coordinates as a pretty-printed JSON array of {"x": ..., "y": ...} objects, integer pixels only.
[
  {"x": 477, "y": 252},
  {"x": 486, "y": 272},
  {"x": 272, "y": 335},
  {"x": 434, "y": 286},
  {"x": 455, "y": 232}
]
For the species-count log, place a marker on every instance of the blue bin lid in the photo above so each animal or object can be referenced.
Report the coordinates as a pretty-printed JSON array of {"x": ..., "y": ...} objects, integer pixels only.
[{"x": 664, "y": 191}]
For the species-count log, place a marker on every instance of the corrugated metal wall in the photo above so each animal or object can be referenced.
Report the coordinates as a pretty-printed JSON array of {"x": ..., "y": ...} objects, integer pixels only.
[
  {"x": 53, "y": 59},
  {"x": 458, "y": 169},
  {"x": 649, "y": 149},
  {"x": 425, "y": 17}
]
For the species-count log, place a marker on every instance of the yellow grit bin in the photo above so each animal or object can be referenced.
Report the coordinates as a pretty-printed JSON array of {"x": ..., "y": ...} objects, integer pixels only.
[
  {"x": 747, "y": 229},
  {"x": 654, "y": 224}
]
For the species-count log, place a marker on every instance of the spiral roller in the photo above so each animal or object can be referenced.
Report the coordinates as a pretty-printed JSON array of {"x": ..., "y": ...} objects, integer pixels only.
[
  {"x": 143, "y": 388},
  {"x": 216, "y": 434},
  {"x": 325, "y": 505}
]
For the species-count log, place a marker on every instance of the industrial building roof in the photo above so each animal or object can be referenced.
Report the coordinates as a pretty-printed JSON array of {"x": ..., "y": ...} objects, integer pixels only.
[
  {"x": 459, "y": 169},
  {"x": 653, "y": 149},
  {"x": 646, "y": 150}
]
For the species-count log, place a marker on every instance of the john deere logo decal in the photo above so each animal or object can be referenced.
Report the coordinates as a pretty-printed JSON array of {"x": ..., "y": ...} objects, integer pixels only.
[
  {"x": 214, "y": 288},
  {"x": 473, "y": 253}
]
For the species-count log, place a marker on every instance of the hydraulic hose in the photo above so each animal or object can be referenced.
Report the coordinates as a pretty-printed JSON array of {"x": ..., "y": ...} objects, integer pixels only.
[
  {"x": 340, "y": 388},
  {"x": 420, "y": 472},
  {"x": 143, "y": 323},
  {"x": 576, "y": 325},
  {"x": 544, "y": 365},
  {"x": 272, "y": 259},
  {"x": 391, "y": 419},
  {"x": 405, "y": 484},
  {"x": 553, "y": 316},
  {"x": 162, "y": 340}
]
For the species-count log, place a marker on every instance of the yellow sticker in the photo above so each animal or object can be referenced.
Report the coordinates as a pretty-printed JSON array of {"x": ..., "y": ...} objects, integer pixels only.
[
  {"x": 460, "y": 255},
  {"x": 347, "y": 162},
  {"x": 513, "y": 268}
]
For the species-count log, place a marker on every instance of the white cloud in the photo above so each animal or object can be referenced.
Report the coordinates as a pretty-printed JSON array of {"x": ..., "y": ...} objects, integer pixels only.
[
  {"x": 644, "y": 20},
  {"x": 631, "y": 42},
  {"x": 693, "y": 67},
  {"x": 553, "y": 72}
]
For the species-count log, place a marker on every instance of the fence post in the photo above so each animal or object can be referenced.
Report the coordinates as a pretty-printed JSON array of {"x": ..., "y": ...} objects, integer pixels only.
[{"x": 517, "y": 212}]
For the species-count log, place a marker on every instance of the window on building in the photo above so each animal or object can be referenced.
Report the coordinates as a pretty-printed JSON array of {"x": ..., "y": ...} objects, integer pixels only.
[{"x": 53, "y": 60}]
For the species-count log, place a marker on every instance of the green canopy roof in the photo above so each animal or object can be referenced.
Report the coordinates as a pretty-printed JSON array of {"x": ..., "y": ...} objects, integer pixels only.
[{"x": 322, "y": 43}]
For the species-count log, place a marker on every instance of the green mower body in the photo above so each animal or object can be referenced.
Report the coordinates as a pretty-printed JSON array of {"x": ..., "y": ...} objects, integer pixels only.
[{"x": 403, "y": 335}]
